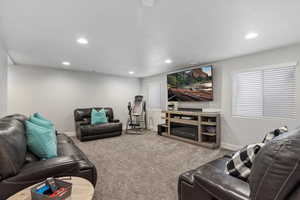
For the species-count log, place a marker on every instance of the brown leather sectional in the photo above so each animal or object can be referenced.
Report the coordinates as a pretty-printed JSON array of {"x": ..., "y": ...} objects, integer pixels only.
[
  {"x": 20, "y": 168},
  {"x": 86, "y": 131},
  {"x": 275, "y": 175}
]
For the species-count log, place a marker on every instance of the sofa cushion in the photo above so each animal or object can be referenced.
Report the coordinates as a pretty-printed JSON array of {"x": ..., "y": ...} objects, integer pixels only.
[
  {"x": 86, "y": 121},
  {"x": 44, "y": 123},
  {"x": 62, "y": 138},
  {"x": 12, "y": 147},
  {"x": 240, "y": 164},
  {"x": 30, "y": 157},
  {"x": 36, "y": 172},
  {"x": 276, "y": 169},
  {"x": 69, "y": 149},
  {"x": 41, "y": 122},
  {"x": 82, "y": 113},
  {"x": 90, "y": 130},
  {"x": 40, "y": 116},
  {"x": 40, "y": 140},
  {"x": 98, "y": 117}
]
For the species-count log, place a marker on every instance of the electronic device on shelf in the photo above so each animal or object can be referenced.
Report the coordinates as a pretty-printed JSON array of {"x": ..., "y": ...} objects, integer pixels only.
[
  {"x": 172, "y": 105},
  {"x": 191, "y": 109}
]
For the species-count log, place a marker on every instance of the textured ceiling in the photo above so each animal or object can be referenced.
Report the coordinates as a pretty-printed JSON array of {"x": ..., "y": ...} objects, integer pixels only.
[{"x": 127, "y": 36}]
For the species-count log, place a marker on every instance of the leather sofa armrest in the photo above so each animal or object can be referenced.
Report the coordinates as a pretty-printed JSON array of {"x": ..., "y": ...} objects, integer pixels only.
[
  {"x": 80, "y": 123},
  {"x": 53, "y": 167},
  {"x": 221, "y": 185}
]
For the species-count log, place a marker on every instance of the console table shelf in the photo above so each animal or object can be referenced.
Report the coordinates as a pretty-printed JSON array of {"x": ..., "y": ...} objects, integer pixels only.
[
  {"x": 209, "y": 123},
  {"x": 193, "y": 127},
  {"x": 209, "y": 134},
  {"x": 185, "y": 121}
]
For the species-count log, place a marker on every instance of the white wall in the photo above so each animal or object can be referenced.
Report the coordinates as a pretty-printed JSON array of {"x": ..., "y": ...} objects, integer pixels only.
[
  {"x": 56, "y": 93},
  {"x": 240, "y": 131},
  {"x": 3, "y": 80},
  {"x": 236, "y": 131}
]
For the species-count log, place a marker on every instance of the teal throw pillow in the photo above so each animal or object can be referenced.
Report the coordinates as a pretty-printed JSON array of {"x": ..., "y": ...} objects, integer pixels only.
[
  {"x": 98, "y": 117},
  {"x": 40, "y": 122},
  {"x": 40, "y": 116},
  {"x": 40, "y": 140},
  {"x": 44, "y": 123}
]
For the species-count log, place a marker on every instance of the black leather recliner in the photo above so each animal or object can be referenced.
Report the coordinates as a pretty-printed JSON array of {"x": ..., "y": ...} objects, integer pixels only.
[
  {"x": 86, "y": 131},
  {"x": 275, "y": 175},
  {"x": 19, "y": 168}
]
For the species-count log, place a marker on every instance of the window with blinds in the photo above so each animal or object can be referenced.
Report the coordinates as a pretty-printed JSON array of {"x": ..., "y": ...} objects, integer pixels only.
[{"x": 266, "y": 92}]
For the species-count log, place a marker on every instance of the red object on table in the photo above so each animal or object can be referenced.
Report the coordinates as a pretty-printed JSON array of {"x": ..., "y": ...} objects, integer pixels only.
[{"x": 58, "y": 192}]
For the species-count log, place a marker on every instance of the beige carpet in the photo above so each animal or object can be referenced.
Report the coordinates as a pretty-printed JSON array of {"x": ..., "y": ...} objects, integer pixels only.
[{"x": 142, "y": 167}]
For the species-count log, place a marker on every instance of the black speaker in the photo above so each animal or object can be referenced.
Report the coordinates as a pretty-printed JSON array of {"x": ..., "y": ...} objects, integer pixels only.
[{"x": 161, "y": 128}]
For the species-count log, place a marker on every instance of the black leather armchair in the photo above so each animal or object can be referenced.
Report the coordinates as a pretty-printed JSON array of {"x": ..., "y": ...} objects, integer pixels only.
[
  {"x": 20, "y": 168},
  {"x": 86, "y": 131},
  {"x": 275, "y": 175}
]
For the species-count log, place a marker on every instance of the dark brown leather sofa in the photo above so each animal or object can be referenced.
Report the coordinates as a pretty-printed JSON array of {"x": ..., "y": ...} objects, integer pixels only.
[
  {"x": 20, "y": 168},
  {"x": 86, "y": 131},
  {"x": 275, "y": 175}
]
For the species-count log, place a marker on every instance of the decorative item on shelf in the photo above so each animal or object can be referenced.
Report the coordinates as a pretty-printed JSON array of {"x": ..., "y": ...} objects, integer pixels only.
[
  {"x": 187, "y": 118},
  {"x": 51, "y": 189},
  {"x": 211, "y": 129},
  {"x": 209, "y": 120},
  {"x": 172, "y": 105},
  {"x": 190, "y": 109}
]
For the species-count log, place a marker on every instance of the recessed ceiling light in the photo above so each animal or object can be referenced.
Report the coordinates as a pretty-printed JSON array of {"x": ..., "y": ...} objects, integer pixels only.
[
  {"x": 131, "y": 72},
  {"x": 168, "y": 61},
  {"x": 251, "y": 35},
  {"x": 65, "y": 63},
  {"x": 82, "y": 40}
]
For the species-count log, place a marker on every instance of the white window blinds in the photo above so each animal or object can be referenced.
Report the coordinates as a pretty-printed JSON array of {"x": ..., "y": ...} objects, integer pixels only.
[
  {"x": 248, "y": 94},
  {"x": 267, "y": 92}
]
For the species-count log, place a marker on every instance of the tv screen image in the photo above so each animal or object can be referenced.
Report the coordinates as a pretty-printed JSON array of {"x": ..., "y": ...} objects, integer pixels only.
[{"x": 191, "y": 85}]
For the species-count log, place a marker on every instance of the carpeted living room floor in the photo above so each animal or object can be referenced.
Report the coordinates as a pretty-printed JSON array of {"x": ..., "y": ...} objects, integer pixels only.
[{"x": 142, "y": 167}]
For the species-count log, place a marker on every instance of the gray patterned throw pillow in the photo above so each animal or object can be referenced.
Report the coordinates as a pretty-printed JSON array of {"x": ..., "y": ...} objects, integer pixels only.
[{"x": 241, "y": 162}]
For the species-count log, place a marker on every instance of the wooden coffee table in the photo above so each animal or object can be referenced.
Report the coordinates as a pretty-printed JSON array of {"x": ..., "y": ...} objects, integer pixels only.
[{"x": 82, "y": 189}]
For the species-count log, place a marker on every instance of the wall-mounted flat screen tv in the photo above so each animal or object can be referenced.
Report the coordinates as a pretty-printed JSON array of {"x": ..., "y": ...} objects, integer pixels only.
[{"x": 194, "y": 84}]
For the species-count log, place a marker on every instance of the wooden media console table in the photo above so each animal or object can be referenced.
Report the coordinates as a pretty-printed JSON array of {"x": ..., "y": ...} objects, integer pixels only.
[{"x": 201, "y": 128}]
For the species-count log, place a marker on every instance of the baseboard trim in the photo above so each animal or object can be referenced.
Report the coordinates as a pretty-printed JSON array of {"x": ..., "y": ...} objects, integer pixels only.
[
  {"x": 232, "y": 147},
  {"x": 70, "y": 133}
]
